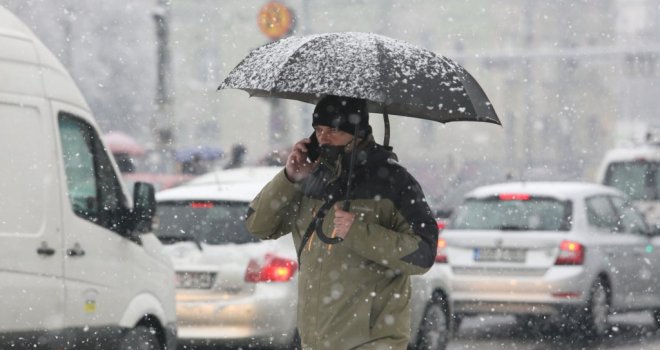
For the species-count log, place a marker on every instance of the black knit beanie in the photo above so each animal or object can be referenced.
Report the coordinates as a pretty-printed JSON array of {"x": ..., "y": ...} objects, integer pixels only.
[{"x": 335, "y": 111}]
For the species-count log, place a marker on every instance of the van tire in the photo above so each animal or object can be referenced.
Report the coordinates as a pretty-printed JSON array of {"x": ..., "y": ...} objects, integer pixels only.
[
  {"x": 141, "y": 338},
  {"x": 434, "y": 330}
]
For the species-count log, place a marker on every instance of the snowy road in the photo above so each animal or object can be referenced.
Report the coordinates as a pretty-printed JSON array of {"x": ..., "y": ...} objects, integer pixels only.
[
  {"x": 630, "y": 331},
  {"x": 634, "y": 331}
]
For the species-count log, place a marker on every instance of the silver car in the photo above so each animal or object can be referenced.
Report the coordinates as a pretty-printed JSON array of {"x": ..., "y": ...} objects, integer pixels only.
[
  {"x": 570, "y": 252},
  {"x": 230, "y": 286}
]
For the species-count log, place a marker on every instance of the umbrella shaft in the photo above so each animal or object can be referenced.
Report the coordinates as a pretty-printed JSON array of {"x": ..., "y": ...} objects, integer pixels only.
[{"x": 351, "y": 165}]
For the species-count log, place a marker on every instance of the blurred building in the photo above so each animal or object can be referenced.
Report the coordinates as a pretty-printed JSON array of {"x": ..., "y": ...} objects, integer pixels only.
[{"x": 569, "y": 79}]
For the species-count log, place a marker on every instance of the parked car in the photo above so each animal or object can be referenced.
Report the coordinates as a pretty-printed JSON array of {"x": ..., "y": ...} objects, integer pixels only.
[
  {"x": 232, "y": 287},
  {"x": 635, "y": 171},
  {"x": 261, "y": 174},
  {"x": 80, "y": 266},
  {"x": 567, "y": 252},
  {"x": 159, "y": 181}
]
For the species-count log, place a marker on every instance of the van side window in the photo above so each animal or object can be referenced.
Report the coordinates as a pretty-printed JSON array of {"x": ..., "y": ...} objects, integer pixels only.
[
  {"x": 637, "y": 179},
  {"x": 92, "y": 184},
  {"x": 629, "y": 219},
  {"x": 601, "y": 214}
]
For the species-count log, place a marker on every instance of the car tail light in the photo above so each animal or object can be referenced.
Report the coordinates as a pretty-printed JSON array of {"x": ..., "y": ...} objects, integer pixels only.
[
  {"x": 514, "y": 196},
  {"x": 441, "y": 224},
  {"x": 567, "y": 295},
  {"x": 270, "y": 269},
  {"x": 441, "y": 255},
  {"x": 570, "y": 253},
  {"x": 201, "y": 205}
]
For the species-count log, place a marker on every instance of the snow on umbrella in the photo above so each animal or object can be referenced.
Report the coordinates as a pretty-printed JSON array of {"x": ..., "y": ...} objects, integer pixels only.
[
  {"x": 393, "y": 76},
  {"x": 119, "y": 142}
]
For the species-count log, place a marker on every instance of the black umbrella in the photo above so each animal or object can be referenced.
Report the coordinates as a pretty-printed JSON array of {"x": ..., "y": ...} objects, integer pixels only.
[{"x": 393, "y": 76}]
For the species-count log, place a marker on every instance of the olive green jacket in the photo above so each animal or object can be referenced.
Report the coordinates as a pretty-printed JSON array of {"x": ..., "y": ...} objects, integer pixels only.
[{"x": 354, "y": 294}]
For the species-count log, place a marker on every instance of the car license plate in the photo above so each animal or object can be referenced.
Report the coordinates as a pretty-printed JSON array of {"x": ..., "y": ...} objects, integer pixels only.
[{"x": 499, "y": 254}]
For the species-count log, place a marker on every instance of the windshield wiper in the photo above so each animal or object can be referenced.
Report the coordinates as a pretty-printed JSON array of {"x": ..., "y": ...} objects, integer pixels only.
[
  {"x": 184, "y": 237},
  {"x": 513, "y": 228}
]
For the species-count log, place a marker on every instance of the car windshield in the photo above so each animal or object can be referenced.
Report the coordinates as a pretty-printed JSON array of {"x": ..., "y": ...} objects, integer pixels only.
[
  {"x": 210, "y": 222},
  {"x": 493, "y": 213},
  {"x": 638, "y": 179}
]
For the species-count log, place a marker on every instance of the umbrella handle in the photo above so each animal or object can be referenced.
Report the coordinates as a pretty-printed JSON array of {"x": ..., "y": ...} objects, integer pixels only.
[
  {"x": 386, "y": 121},
  {"x": 317, "y": 226},
  {"x": 322, "y": 236}
]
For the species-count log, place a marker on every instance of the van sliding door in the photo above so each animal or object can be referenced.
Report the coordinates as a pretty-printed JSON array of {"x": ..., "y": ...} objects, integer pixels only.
[{"x": 31, "y": 255}]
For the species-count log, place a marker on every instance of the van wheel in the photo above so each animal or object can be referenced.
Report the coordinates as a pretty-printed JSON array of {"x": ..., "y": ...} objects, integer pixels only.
[
  {"x": 141, "y": 338},
  {"x": 434, "y": 330}
]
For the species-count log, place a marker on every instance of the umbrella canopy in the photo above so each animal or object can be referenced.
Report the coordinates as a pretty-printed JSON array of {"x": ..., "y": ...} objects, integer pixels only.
[
  {"x": 119, "y": 142},
  {"x": 200, "y": 152},
  {"x": 393, "y": 76}
]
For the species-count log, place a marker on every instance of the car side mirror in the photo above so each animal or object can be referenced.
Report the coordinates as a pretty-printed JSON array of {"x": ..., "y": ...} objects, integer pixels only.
[{"x": 144, "y": 207}]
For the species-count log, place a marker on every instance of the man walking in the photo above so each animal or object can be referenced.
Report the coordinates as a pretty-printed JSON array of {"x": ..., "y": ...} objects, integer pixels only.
[{"x": 354, "y": 294}]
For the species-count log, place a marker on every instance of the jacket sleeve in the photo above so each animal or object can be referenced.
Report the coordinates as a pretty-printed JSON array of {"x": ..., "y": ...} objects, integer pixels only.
[
  {"x": 270, "y": 214},
  {"x": 410, "y": 245}
]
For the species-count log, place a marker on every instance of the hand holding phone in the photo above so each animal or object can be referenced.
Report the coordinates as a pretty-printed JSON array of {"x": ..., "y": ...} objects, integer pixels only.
[
  {"x": 301, "y": 161},
  {"x": 313, "y": 148}
]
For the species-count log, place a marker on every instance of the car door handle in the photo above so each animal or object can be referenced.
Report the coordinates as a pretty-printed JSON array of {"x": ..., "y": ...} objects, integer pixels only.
[
  {"x": 75, "y": 251},
  {"x": 45, "y": 250}
]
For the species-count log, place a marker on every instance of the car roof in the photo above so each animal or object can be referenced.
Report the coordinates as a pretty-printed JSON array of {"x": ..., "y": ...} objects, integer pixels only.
[
  {"x": 646, "y": 151},
  {"x": 244, "y": 174},
  {"x": 242, "y": 192},
  {"x": 561, "y": 190}
]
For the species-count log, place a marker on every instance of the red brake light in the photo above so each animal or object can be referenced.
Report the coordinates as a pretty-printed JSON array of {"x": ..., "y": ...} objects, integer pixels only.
[
  {"x": 514, "y": 196},
  {"x": 570, "y": 253},
  {"x": 441, "y": 225},
  {"x": 441, "y": 255},
  {"x": 270, "y": 269},
  {"x": 201, "y": 205}
]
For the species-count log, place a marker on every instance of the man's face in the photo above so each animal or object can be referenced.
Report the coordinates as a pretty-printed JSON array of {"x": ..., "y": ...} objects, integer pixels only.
[{"x": 332, "y": 137}]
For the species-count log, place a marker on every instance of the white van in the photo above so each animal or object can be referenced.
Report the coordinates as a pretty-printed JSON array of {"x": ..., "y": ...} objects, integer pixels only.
[
  {"x": 78, "y": 265},
  {"x": 635, "y": 171}
]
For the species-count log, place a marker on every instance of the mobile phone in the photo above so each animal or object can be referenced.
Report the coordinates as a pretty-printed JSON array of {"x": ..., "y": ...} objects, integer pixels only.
[{"x": 313, "y": 148}]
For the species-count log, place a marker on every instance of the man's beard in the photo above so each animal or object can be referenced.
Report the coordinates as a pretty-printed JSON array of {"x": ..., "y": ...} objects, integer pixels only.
[{"x": 326, "y": 172}]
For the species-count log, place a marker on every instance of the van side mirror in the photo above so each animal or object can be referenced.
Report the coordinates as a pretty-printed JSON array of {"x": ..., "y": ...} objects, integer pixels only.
[{"x": 144, "y": 207}]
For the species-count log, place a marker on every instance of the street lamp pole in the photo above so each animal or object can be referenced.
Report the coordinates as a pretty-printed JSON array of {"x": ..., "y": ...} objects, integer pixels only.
[
  {"x": 275, "y": 20},
  {"x": 162, "y": 124}
]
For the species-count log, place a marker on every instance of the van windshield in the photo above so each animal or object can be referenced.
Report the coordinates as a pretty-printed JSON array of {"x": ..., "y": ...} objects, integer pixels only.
[
  {"x": 210, "y": 222},
  {"x": 530, "y": 214},
  {"x": 638, "y": 179}
]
